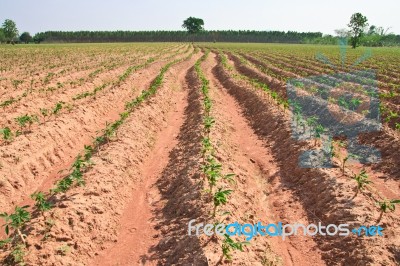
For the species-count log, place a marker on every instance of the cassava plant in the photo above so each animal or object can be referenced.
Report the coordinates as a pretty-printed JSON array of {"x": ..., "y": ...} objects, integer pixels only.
[
  {"x": 220, "y": 198},
  {"x": 45, "y": 113},
  {"x": 7, "y": 134},
  {"x": 41, "y": 202},
  {"x": 26, "y": 121},
  {"x": 56, "y": 110},
  {"x": 229, "y": 245},
  {"x": 16, "y": 221},
  {"x": 362, "y": 181},
  {"x": 386, "y": 206}
]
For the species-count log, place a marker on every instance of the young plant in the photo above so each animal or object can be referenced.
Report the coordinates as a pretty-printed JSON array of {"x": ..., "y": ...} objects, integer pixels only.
[
  {"x": 26, "y": 120},
  {"x": 311, "y": 123},
  {"x": 207, "y": 146},
  {"x": 362, "y": 181},
  {"x": 63, "y": 185},
  {"x": 7, "y": 134},
  {"x": 212, "y": 171},
  {"x": 40, "y": 202},
  {"x": 208, "y": 123},
  {"x": 16, "y": 83},
  {"x": 56, "y": 110},
  {"x": 18, "y": 255},
  {"x": 387, "y": 206},
  {"x": 5, "y": 242},
  {"x": 45, "y": 113},
  {"x": 318, "y": 131},
  {"x": 220, "y": 198},
  {"x": 229, "y": 245},
  {"x": 345, "y": 159},
  {"x": 16, "y": 220}
]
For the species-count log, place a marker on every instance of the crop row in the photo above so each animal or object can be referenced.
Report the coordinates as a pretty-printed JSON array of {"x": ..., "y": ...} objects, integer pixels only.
[
  {"x": 17, "y": 222},
  {"x": 211, "y": 168},
  {"x": 335, "y": 149},
  {"x": 25, "y": 122}
]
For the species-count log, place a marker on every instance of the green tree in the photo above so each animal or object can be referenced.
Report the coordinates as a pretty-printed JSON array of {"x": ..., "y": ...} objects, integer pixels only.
[
  {"x": 10, "y": 30},
  {"x": 357, "y": 25},
  {"x": 2, "y": 36},
  {"x": 193, "y": 25},
  {"x": 25, "y": 37},
  {"x": 38, "y": 38}
]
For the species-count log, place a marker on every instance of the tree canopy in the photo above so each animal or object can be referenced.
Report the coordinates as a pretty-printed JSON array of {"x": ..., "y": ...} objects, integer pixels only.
[
  {"x": 193, "y": 25},
  {"x": 25, "y": 37},
  {"x": 357, "y": 26},
  {"x": 10, "y": 30}
]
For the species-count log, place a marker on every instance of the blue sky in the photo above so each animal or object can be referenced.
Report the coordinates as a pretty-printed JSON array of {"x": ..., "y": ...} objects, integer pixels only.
[{"x": 306, "y": 15}]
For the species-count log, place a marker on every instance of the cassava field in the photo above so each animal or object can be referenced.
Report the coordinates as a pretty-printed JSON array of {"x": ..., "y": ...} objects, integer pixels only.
[{"x": 108, "y": 151}]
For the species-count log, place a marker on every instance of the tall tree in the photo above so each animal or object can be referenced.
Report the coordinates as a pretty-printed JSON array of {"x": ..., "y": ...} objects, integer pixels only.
[
  {"x": 10, "y": 30},
  {"x": 193, "y": 25},
  {"x": 2, "y": 36},
  {"x": 357, "y": 25},
  {"x": 25, "y": 37}
]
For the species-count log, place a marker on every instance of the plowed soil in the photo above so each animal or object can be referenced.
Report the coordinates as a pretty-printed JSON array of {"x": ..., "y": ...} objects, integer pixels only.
[{"x": 146, "y": 183}]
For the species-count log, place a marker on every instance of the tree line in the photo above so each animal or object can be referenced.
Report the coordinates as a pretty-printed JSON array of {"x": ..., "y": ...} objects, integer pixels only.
[
  {"x": 176, "y": 36},
  {"x": 358, "y": 34}
]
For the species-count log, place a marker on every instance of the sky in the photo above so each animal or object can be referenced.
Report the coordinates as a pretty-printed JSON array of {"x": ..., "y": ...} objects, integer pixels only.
[{"x": 307, "y": 15}]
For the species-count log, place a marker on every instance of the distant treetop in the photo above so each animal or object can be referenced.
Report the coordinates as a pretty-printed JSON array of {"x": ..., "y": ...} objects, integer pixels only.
[{"x": 193, "y": 25}]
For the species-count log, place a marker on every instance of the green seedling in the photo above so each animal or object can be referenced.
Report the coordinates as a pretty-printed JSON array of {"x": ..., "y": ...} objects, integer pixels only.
[
  {"x": 56, "y": 110},
  {"x": 26, "y": 120},
  {"x": 41, "y": 202},
  {"x": 345, "y": 159},
  {"x": 229, "y": 245},
  {"x": 362, "y": 181},
  {"x": 318, "y": 131},
  {"x": 207, "y": 146},
  {"x": 207, "y": 105},
  {"x": 7, "y": 134},
  {"x": 8, "y": 102},
  {"x": 387, "y": 206},
  {"x": 88, "y": 152},
  {"x": 16, "y": 220},
  {"x": 63, "y": 185},
  {"x": 16, "y": 83},
  {"x": 220, "y": 198},
  {"x": 18, "y": 255},
  {"x": 5, "y": 242},
  {"x": 212, "y": 171},
  {"x": 391, "y": 115},
  {"x": 208, "y": 123},
  {"x": 45, "y": 113}
]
